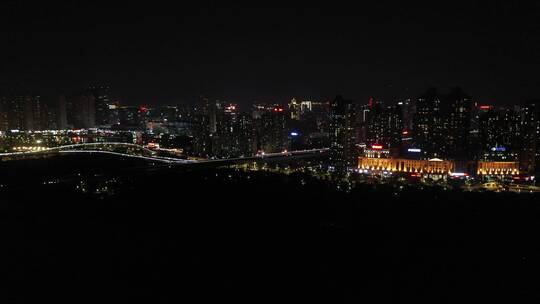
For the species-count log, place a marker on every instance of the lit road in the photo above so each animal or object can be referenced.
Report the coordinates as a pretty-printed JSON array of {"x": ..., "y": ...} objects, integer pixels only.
[
  {"x": 153, "y": 158},
  {"x": 100, "y": 148},
  {"x": 103, "y": 148},
  {"x": 280, "y": 156}
]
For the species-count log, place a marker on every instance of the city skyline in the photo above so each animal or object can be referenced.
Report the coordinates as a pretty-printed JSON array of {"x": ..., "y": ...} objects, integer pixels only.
[
  {"x": 251, "y": 152},
  {"x": 152, "y": 56},
  {"x": 115, "y": 97},
  {"x": 406, "y": 138}
]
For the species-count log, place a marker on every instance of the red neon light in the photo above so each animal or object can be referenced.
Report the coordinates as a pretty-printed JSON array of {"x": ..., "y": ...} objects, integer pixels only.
[
  {"x": 485, "y": 107},
  {"x": 377, "y": 147}
]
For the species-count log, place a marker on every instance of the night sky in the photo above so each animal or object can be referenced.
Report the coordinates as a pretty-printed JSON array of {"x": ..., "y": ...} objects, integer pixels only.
[{"x": 158, "y": 53}]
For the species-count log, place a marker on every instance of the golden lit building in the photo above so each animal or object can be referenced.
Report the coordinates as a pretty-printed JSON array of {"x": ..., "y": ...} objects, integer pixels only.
[
  {"x": 434, "y": 165},
  {"x": 497, "y": 168}
]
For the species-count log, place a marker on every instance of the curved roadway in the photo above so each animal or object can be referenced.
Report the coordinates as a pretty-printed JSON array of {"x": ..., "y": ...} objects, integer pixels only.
[{"x": 66, "y": 149}]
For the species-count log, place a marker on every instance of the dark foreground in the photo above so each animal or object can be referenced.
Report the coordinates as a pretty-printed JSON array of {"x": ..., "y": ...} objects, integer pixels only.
[{"x": 223, "y": 236}]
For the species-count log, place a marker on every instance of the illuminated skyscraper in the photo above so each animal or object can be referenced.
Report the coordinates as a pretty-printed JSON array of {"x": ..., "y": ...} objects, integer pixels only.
[
  {"x": 429, "y": 124},
  {"x": 459, "y": 124},
  {"x": 204, "y": 127},
  {"x": 343, "y": 151},
  {"x": 270, "y": 132},
  {"x": 384, "y": 125},
  {"x": 234, "y": 132},
  {"x": 499, "y": 134},
  {"x": 530, "y": 149},
  {"x": 243, "y": 135},
  {"x": 295, "y": 108},
  {"x": 393, "y": 127},
  {"x": 372, "y": 115}
]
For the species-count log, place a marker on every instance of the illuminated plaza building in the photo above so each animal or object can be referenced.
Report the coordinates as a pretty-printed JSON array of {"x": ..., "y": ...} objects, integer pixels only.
[
  {"x": 426, "y": 167},
  {"x": 378, "y": 160},
  {"x": 497, "y": 168}
]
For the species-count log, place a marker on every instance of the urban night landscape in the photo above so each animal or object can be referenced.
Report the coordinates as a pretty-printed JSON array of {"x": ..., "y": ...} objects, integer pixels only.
[{"x": 283, "y": 153}]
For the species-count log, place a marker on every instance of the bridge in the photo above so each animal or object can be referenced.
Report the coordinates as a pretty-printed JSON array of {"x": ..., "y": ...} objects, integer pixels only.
[
  {"x": 110, "y": 148},
  {"x": 143, "y": 153}
]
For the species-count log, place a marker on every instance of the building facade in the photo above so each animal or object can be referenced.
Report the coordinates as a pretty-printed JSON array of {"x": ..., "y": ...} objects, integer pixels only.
[{"x": 343, "y": 150}]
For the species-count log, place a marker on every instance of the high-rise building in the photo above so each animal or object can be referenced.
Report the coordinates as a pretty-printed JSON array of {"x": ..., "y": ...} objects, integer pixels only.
[
  {"x": 429, "y": 124},
  {"x": 4, "y": 119},
  {"x": 373, "y": 116},
  {"x": 30, "y": 105},
  {"x": 343, "y": 151},
  {"x": 203, "y": 127},
  {"x": 408, "y": 107},
  {"x": 491, "y": 127},
  {"x": 49, "y": 119},
  {"x": 114, "y": 113},
  {"x": 167, "y": 114},
  {"x": 45, "y": 115},
  {"x": 13, "y": 114},
  {"x": 82, "y": 111},
  {"x": 222, "y": 138},
  {"x": 530, "y": 134},
  {"x": 23, "y": 112},
  {"x": 512, "y": 130},
  {"x": 61, "y": 112},
  {"x": 295, "y": 109},
  {"x": 132, "y": 117},
  {"x": 459, "y": 124},
  {"x": 393, "y": 127},
  {"x": 102, "y": 100},
  {"x": 234, "y": 132},
  {"x": 474, "y": 133},
  {"x": 16, "y": 113},
  {"x": 185, "y": 117},
  {"x": 243, "y": 135},
  {"x": 385, "y": 126},
  {"x": 270, "y": 131},
  {"x": 499, "y": 131}
]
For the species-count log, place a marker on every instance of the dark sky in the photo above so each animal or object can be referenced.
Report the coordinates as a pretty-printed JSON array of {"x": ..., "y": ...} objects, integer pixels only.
[{"x": 158, "y": 53}]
